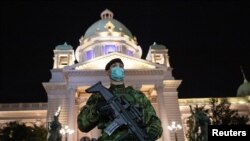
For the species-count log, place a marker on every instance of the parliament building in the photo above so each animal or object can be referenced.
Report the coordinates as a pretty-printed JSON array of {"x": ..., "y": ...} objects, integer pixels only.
[{"x": 75, "y": 70}]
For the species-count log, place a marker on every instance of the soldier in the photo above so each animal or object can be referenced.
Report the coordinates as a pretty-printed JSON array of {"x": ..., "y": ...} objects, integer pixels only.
[{"x": 94, "y": 112}]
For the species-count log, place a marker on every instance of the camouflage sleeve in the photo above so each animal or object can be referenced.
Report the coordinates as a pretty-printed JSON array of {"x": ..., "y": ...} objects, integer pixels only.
[
  {"x": 88, "y": 117},
  {"x": 151, "y": 120}
]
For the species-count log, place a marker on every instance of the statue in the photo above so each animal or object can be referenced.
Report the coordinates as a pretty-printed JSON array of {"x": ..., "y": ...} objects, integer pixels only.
[
  {"x": 55, "y": 127},
  {"x": 199, "y": 130}
]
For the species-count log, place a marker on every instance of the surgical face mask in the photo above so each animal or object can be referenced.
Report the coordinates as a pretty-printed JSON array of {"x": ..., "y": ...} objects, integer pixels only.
[{"x": 117, "y": 73}]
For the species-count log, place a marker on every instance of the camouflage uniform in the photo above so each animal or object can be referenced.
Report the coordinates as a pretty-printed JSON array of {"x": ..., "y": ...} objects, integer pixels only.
[{"x": 90, "y": 116}]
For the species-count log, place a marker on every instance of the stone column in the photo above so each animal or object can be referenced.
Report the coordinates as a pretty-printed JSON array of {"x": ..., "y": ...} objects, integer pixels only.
[
  {"x": 71, "y": 113},
  {"x": 172, "y": 107},
  {"x": 163, "y": 113}
]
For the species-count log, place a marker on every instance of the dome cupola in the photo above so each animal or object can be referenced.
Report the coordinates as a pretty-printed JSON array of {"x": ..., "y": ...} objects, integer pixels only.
[
  {"x": 107, "y": 14},
  {"x": 64, "y": 46},
  {"x": 244, "y": 88},
  {"x": 158, "y": 53},
  {"x": 63, "y": 56},
  {"x": 105, "y": 36}
]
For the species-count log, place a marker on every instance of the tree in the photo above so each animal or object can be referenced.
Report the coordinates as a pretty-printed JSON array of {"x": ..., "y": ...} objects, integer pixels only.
[
  {"x": 221, "y": 114},
  {"x": 39, "y": 133},
  {"x": 14, "y": 131}
]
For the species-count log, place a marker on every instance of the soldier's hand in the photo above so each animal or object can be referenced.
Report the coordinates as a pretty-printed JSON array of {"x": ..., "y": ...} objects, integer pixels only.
[{"x": 104, "y": 109}]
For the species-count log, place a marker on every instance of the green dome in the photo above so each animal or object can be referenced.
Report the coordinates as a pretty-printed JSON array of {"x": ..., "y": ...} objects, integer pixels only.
[
  {"x": 64, "y": 46},
  {"x": 244, "y": 89},
  {"x": 100, "y": 26},
  {"x": 157, "y": 46}
]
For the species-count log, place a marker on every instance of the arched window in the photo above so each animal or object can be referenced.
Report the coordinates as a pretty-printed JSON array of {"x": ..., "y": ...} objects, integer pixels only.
[
  {"x": 110, "y": 48},
  {"x": 130, "y": 53},
  {"x": 89, "y": 54}
]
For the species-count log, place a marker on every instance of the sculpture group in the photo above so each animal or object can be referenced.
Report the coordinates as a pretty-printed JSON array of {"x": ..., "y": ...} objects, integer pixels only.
[
  {"x": 199, "y": 130},
  {"x": 55, "y": 127}
]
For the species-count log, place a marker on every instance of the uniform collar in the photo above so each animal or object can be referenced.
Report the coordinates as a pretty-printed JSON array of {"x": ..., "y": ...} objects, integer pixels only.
[
  {"x": 117, "y": 88},
  {"x": 120, "y": 86}
]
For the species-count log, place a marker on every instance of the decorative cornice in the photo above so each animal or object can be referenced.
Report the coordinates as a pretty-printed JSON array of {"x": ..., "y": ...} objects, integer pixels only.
[
  {"x": 56, "y": 70},
  {"x": 172, "y": 83},
  {"x": 99, "y": 63},
  {"x": 145, "y": 72},
  {"x": 95, "y": 73},
  {"x": 85, "y": 73},
  {"x": 54, "y": 86},
  {"x": 233, "y": 100},
  {"x": 23, "y": 106}
]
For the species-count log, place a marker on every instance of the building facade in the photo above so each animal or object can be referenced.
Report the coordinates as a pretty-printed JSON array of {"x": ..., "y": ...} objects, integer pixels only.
[
  {"x": 107, "y": 39},
  {"x": 76, "y": 70}
]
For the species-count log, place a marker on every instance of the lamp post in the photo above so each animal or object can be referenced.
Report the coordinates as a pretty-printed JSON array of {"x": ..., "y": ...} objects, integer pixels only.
[
  {"x": 174, "y": 128},
  {"x": 66, "y": 131}
]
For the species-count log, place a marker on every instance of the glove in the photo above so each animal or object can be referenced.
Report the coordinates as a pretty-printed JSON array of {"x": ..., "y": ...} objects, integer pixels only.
[
  {"x": 105, "y": 110},
  {"x": 154, "y": 132}
]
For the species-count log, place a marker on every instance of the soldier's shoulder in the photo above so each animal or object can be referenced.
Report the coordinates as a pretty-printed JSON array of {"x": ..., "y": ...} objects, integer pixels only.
[
  {"x": 130, "y": 89},
  {"x": 94, "y": 97}
]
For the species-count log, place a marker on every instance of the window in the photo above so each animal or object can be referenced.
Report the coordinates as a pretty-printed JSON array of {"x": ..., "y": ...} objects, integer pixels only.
[
  {"x": 64, "y": 60},
  {"x": 89, "y": 54},
  {"x": 159, "y": 58},
  {"x": 110, "y": 48},
  {"x": 130, "y": 53}
]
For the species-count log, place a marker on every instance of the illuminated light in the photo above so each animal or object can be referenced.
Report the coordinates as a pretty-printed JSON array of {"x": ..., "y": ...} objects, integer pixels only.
[
  {"x": 116, "y": 34},
  {"x": 153, "y": 93},
  {"x": 89, "y": 54},
  {"x": 103, "y": 33},
  {"x": 130, "y": 53},
  {"x": 109, "y": 26},
  {"x": 38, "y": 122},
  {"x": 110, "y": 48},
  {"x": 242, "y": 102},
  {"x": 147, "y": 87},
  {"x": 174, "y": 128},
  {"x": 66, "y": 131}
]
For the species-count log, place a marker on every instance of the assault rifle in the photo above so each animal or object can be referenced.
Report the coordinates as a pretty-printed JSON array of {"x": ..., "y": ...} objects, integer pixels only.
[{"x": 124, "y": 113}]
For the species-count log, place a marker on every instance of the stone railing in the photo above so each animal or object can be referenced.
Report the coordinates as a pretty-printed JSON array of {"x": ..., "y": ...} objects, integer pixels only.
[{"x": 23, "y": 106}]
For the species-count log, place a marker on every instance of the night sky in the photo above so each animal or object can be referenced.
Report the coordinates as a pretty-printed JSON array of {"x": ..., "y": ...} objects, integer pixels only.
[{"x": 208, "y": 41}]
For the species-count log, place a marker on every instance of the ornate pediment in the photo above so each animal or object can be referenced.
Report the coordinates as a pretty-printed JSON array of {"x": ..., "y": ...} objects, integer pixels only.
[{"x": 99, "y": 63}]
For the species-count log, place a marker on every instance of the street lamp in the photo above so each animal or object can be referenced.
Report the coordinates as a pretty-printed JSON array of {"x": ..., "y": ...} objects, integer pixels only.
[
  {"x": 174, "y": 128},
  {"x": 66, "y": 131}
]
